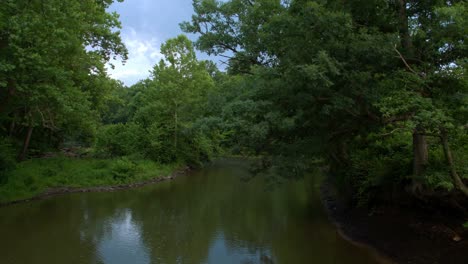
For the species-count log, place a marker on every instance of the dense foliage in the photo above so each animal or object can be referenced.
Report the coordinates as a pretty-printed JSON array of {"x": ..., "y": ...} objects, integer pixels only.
[
  {"x": 162, "y": 118},
  {"x": 376, "y": 90},
  {"x": 52, "y": 77}
]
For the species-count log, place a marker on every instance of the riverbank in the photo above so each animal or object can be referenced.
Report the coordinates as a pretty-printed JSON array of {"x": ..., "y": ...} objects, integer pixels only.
[
  {"x": 402, "y": 235},
  {"x": 41, "y": 178}
]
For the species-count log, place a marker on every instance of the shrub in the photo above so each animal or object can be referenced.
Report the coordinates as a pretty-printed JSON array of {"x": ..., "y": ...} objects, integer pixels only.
[
  {"x": 123, "y": 169},
  {"x": 381, "y": 165},
  {"x": 120, "y": 140},
  {"x": 160, "y": 145}
]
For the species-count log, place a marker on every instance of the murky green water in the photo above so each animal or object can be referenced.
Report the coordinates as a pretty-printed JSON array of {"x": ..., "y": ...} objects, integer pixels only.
[{"x": 210, "y": 216}]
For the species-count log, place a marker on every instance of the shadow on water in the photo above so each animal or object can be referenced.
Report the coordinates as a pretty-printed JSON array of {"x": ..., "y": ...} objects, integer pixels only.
[{"x": 209, "y": 216}]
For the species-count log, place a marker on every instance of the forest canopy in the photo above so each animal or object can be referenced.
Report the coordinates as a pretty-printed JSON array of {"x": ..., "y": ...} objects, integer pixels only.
[
  {"x": 376, "y": 88},
  {"x": 376, "y": 91}
]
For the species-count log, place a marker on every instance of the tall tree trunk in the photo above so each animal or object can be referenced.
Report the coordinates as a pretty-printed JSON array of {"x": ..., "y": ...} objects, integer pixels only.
[
  {"x": 10, "y": 92},
  {"x": 176, "y": 127},
  {"x": 457, "y": 181},
  {"x": 24, "y": 151},
  {"x": 4, "y": 101},
  {"x": 420, "y": 159},
  {"x": 12, "y": 127},
  {"x": 420, "y": 152},
  {"x": 405, "y": 38}
]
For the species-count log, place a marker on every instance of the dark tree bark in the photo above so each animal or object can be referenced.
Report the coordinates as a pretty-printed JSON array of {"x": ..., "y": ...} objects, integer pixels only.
[
  {"x": 420, "y": 152},
  {"x": 5, "y": 99},
  {"x": 420, "y": 159},
  {"x": 176, "y": 128},
  {"x": 12, "y": 128},
  {"x": 24, "y": 151},
  {"x": 406, "y": 41},
  {"x": 456, "y": 179}
]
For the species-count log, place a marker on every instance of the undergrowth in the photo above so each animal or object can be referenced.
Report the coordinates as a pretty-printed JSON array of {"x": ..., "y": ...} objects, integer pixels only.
[{"x": 34, "y": 177}]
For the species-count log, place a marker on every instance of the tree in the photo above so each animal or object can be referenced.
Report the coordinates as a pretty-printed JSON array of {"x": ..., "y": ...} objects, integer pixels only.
[
  {"x": 168, "y": 105},
  {"x": 233, "y": 29},
  {"x": 52, "y": 55},
  {"x": 348, "y": 81}
]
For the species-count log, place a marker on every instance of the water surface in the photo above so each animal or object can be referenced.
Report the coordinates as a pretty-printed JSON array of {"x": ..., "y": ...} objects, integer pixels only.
[{"x": 211, "y": 216}]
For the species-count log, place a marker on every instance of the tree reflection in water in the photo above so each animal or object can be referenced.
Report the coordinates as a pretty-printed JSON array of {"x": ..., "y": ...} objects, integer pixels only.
[{"x": 209, "y": 216}]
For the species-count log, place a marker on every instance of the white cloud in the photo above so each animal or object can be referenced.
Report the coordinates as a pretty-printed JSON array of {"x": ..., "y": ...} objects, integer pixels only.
[{"x": 143, "y": 54}]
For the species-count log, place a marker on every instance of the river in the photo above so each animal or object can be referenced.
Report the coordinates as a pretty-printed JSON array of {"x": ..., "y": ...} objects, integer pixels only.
[{"x": 209, "y": 216}]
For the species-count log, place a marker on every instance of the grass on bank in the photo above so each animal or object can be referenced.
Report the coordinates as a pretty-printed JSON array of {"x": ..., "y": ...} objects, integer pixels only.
[{"x": 34, "y": 177}]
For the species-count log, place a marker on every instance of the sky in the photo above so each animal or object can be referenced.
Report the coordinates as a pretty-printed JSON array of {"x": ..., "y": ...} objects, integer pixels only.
[{"x": 146, "y": 24}]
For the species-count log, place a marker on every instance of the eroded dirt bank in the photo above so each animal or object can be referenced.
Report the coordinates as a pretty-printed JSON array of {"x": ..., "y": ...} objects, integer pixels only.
[{"x": 403, "y": 235}]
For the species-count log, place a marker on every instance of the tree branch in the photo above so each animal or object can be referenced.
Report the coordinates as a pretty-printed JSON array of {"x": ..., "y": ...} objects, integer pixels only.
[
  {"x": 391, "y": 132},
  {"x": 405, "y": 62}
]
